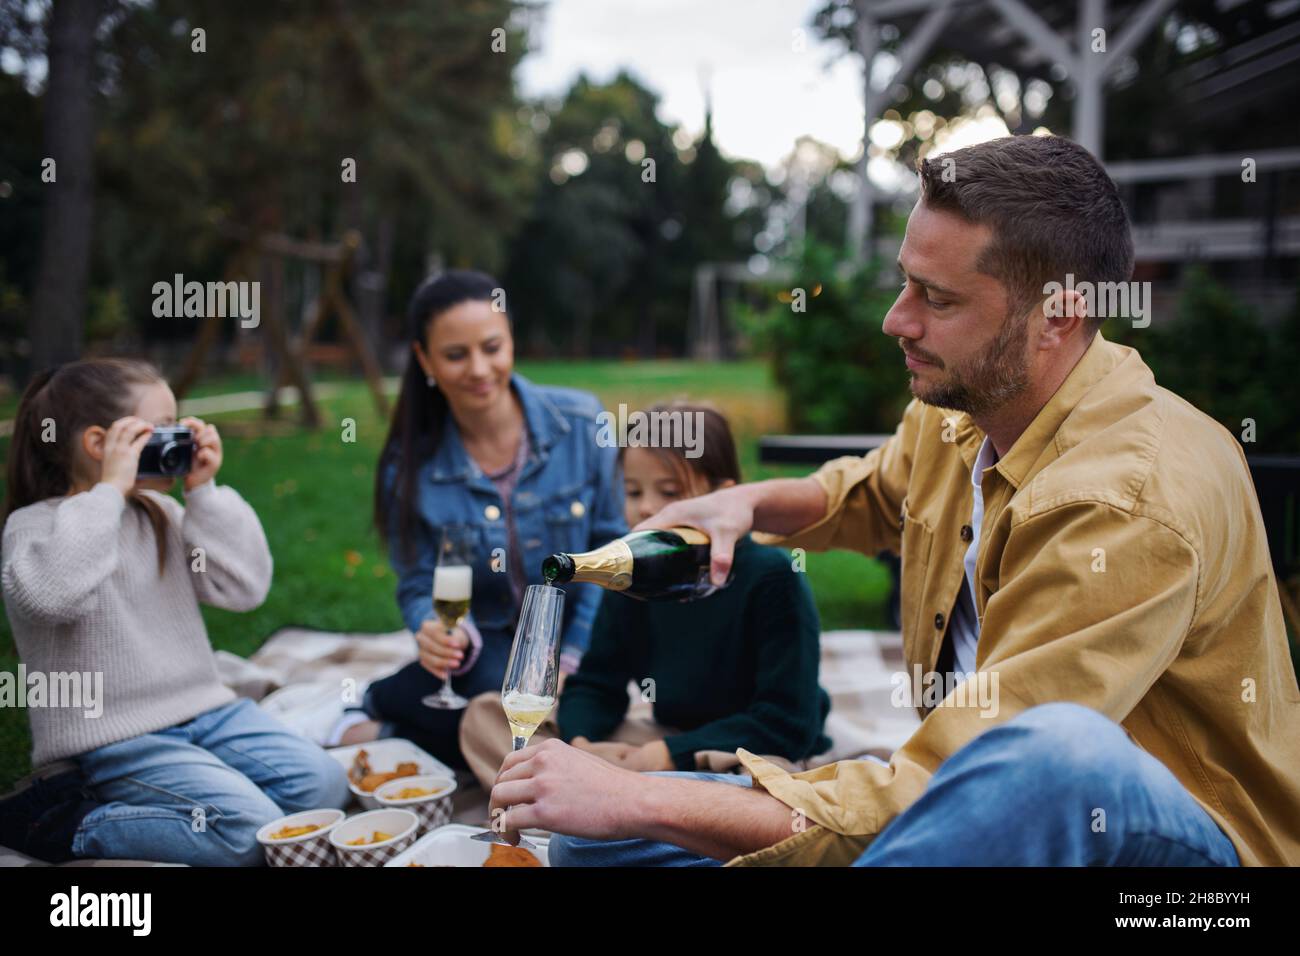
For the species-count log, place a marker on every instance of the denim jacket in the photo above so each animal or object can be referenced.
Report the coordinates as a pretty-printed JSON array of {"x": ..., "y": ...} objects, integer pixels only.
[{"x": 567, "y": 498}]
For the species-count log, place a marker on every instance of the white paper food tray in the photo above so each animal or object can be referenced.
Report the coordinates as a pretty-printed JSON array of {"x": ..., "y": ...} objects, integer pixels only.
[{"x": 451, "y": 846}]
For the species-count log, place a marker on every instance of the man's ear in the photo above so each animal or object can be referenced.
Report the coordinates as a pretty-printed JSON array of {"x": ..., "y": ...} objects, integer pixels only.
[
  {"x": 1063, "y": 310},
  {"x": 92, "y": 442}
]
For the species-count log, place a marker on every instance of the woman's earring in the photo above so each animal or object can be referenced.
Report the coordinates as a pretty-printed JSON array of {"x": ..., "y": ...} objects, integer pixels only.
[{"x": 431, "y": 380}]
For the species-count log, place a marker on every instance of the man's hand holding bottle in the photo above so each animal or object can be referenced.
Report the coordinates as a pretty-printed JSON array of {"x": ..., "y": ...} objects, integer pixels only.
[{"x": 779, "y": 505}]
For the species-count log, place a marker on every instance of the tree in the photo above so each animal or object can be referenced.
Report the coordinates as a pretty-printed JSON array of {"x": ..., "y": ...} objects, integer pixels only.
[
  {"x": 253, "y": 134},
  {"x": 626, "y": 207},
  {"x": 68, "y": 171},
  {"x": 220, "y": 121}
]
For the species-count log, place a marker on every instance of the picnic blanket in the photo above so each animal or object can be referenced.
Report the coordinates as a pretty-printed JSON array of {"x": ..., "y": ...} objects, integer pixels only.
[
  {"x": 306, "y": 679},
  {"x": 301, "y": 676}
]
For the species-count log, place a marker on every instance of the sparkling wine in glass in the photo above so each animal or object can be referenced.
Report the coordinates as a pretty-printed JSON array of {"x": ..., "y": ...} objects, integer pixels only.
[
  {"x": 532, "y": 675},
  {"x": 453, "y": 582}
]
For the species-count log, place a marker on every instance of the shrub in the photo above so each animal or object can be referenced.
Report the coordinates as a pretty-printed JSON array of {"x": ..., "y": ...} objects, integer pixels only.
[
  {"x": 839, "y": 371},
  {"x": 1217, "y": 354}
]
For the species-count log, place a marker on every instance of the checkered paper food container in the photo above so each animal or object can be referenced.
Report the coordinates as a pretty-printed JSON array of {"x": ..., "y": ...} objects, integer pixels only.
[
  {"x": 403, "y": 825},
  {"x": 310, "y": 849},
  {"x": 433, "y": 811}
]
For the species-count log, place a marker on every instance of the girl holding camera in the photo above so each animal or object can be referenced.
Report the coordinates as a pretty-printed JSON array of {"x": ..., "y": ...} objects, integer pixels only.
[{"x": 103, "y": 573}]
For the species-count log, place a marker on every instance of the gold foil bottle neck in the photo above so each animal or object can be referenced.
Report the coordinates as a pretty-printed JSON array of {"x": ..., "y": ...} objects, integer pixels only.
[{"x": 609, "y": 566}]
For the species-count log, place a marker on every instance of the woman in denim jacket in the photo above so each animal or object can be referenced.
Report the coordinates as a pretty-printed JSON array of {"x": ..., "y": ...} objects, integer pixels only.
[{"x": 473, "y": 444}]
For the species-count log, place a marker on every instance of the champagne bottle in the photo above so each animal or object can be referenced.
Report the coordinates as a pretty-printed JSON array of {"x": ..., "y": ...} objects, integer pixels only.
[{"x": 653, "y": 565}]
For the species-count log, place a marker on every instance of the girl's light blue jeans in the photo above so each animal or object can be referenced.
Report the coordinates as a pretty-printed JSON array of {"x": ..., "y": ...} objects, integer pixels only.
[
  {"x": 1058, "y": 785},
  {"x": 198, "y": 792}
]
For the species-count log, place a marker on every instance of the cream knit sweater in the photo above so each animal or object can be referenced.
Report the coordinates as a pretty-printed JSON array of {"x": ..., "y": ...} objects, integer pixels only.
[{"x": 83, "y": 594}]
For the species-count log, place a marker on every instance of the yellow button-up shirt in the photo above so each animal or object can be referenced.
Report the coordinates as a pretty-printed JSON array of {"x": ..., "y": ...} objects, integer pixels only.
[{"x": 1122, "y": 565}]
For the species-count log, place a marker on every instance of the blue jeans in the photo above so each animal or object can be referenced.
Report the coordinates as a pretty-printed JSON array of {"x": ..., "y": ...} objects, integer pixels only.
[
  {"x": 1024, "y": 793},
  {"x": 198, "y": 792}
]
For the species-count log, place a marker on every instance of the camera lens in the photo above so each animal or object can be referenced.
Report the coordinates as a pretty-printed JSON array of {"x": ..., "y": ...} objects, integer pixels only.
[{"x": 170, "y": 459}]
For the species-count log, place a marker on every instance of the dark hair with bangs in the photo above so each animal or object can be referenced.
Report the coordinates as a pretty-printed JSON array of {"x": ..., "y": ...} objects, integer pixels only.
[{"x": 717, "y": 461}]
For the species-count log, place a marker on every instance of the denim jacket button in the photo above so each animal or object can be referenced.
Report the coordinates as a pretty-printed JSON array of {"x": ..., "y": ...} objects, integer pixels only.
[
  {"x": 492, "y": 512},
  {"x": 577, "y": 509}
]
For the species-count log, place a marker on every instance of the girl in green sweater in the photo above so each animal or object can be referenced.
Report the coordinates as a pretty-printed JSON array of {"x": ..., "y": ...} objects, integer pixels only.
[{"x": 735, "y": 669}]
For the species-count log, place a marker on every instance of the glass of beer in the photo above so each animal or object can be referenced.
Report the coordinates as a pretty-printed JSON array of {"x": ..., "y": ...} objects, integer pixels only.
[
  {"x": 453, "y": 581},
  {"x": 532, "y": 675}
]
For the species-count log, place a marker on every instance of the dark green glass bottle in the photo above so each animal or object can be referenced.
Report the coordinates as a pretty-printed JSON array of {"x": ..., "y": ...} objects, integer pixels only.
[{"x": 655, "y": 565}]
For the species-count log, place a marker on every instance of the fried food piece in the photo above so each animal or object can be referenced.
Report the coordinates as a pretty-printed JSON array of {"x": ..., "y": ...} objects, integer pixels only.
[
  {"x": 360, "y": 768},
  {"x": 372, "y": 780},
  {"x": 286, "y": 832},
  {"x": 367, "y": 783},
  {"x": 377, "y": 837},
  {"x": 510, "y": 856},
  {"x": 408, "y": 793}
]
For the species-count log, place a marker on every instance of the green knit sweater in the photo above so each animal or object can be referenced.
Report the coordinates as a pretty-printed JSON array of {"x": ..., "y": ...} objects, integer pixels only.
[{"x": 735, "y": 669}]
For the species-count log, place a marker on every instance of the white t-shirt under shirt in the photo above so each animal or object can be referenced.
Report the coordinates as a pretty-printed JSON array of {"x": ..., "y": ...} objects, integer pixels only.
[{"x": 964, "y": 628}]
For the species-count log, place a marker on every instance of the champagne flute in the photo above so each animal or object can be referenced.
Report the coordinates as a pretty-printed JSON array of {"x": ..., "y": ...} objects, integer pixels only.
[
  {"x": 529, "y": 689},
  {"x": 453, "y": 579}
]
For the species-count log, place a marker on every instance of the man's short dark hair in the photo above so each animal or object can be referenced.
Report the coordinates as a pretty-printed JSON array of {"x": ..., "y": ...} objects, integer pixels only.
[{"x": 1051, "y": 207}]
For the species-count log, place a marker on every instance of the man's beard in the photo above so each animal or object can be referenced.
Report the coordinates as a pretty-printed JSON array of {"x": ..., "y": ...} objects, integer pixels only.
[{"x": 988, "y": 381}]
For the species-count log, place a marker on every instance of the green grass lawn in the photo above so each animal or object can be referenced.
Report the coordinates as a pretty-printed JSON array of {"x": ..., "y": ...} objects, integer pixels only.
[{"x": 313, "y": 493}]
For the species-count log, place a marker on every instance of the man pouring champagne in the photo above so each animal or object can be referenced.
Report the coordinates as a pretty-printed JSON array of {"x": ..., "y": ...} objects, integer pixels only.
[{"x": 1063, "y": 521}]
